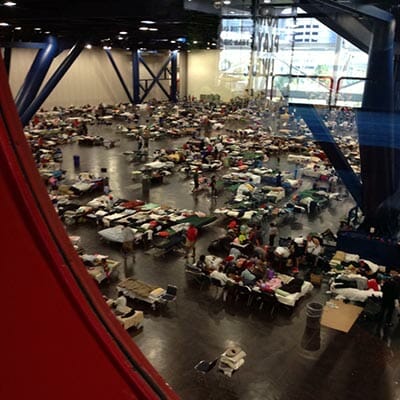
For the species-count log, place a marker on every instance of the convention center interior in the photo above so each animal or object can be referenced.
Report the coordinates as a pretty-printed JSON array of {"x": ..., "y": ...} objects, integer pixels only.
[{"x": 200, "y": 199}]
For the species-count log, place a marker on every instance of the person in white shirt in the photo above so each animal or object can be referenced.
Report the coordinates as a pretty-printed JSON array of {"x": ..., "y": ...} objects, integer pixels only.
[
  {"x": 219, "y": 275},
  {"x": 128, "y": 238}
]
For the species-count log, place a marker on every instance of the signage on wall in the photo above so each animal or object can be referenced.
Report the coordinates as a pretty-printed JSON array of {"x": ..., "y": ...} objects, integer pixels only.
[{"x": 266, "y": 45}]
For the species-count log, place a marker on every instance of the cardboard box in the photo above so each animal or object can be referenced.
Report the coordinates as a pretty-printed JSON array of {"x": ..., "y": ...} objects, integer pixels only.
[{"x": 316, "y": 279}]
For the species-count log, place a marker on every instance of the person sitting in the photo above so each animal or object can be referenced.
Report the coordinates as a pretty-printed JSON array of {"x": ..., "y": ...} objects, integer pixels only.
[
  {"x": 201, "y": 264},
  {"x": 248, "y": 278},
  {"x": 235, "y": 253},
  {"x": 120, "y": 305}
]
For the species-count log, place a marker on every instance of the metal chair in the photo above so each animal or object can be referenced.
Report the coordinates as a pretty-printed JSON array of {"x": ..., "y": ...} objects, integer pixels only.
[
  {"x": 269, "y": 299},
  {"x": 218, "y": 285},
  {"x": 204, "y": 367},
  {"x": 199, "y": 277},
  {"x": 170, "y": 294},
  {"x": 244, "y": 292}
]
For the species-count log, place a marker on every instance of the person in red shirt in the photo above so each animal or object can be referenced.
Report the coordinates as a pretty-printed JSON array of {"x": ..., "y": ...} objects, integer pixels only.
[{"x": 191, "y": 238}]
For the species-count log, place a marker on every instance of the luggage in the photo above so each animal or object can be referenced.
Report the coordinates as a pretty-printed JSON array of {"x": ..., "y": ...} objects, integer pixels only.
[{"x": 372, "y": 308}]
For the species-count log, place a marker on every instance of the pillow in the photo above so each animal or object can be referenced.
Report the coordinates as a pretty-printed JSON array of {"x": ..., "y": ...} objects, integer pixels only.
[
  {"x": 157, "y": 292},
  {"x": 281, "y": 292},
  {"x": 352, "y": 258},
  {"x": 339, "y": 255},
  {"x": 372, "y": 284},
  {"x": 372, "y": 266}
]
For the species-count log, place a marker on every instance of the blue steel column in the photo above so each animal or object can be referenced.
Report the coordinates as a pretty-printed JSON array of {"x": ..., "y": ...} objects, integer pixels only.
[
  {"x": 155, "y": 77},
  {"x": 51, "y": 83},
  {"x": 174, "y": 76},
  {"x": 121, "y": 79},
  {"x": 7, "y": 59},
  {"x": 136, "y": 76},
  {"x": 327, "y": 143},
  {"x": 36, "y": 75},
  {"x": 380, "y": 167}
]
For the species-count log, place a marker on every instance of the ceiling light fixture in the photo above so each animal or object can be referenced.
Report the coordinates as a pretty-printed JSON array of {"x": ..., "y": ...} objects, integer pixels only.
[
  {"x": 37, "y": 29},
  {"x": 173, "y": 41},
  {"x": 227, "y": 2},
  {"x": 147, "y": 22},
  {"x": 153, "y": 29},
  {"x": 88, "y": 46},
  {"x": 47, "y": 33},
  {"x": 9, "y": 4},
  {"x": 123, "y": 33},
  {"x": 143, "y": 28},
  {"x": 18, "y": 28},
  {"x": 4, "y": 24},
  {"x": 195, "y": 42},
  {"x": 120, "y": 38},
  {"x": 107, "y": 47}
]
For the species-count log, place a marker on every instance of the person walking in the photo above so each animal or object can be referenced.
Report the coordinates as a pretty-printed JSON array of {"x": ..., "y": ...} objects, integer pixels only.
[
  {"x": 191, "y": 238},
  {"x": 213, "y": 186},
  {"x": 128, "y": 238},
  {"x": 390, "y": 298},
  {"x": 273, "y": 231},
  {"x": 196, "y": 180}
]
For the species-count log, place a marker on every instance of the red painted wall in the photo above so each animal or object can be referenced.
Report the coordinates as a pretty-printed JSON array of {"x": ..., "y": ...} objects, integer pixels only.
[{"x": 59, "y": 340}]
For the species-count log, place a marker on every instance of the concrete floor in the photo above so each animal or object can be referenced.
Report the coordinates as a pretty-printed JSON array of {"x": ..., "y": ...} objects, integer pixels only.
[{"x": 357, "y": 365}]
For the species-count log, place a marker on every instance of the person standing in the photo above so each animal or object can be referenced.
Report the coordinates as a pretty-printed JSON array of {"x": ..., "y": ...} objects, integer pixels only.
[
  {"x": 191, "y": 238},
  {"x": 213, "y": 186},
  {"x": 140, "y": 142},
  {"x": 273, "y": 231},
  {"x": 128, "y": 238},
  {"x": 390, "y": 298},
  {"x": 196, "y": 180}
]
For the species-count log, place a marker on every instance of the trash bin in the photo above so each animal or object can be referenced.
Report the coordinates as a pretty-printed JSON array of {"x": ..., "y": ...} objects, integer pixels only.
[
  {"x": 146, "y": 182},
  {"x": 314, "y": 313},
  {"x": 311, "y": 340},
  {"x": 77, "y": 161}
]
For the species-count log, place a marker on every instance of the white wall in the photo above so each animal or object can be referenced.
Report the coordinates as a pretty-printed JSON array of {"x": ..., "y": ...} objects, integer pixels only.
[
  {"x": 91, "y": 79},
  {"x": 203, "y": 73}
]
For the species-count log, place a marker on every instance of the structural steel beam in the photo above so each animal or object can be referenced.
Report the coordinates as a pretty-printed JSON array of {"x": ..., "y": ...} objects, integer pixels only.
[
  {"x": 36, "y": 75},
  {"x": 51, "y": 83},
  {"x": 120, "y": 77},
  {"x": 379, "y": 158},
  {"x": 7, "y": 59},
  {"x": 156, "y": 78},
  {"x": 174, "y": 76},
  {"x": 327, "y": 143},
  {"x": 136, "y": 76}
]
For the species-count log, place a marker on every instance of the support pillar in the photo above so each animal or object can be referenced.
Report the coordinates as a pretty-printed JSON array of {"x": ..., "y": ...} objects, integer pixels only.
[
  {"x": 327, "y": 143},
  {"x": 36, "y": 75},
  {"x": 51, "y": 83},
  {"x": 136, "y": 76},
  {"x": 380, "y": 159},
  {"x": 7, "y": 59},
  {"x": 174, "y": 76}
]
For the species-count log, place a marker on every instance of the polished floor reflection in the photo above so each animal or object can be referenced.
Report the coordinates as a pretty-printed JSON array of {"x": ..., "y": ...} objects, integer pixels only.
[{"x": 362, "y": 364}]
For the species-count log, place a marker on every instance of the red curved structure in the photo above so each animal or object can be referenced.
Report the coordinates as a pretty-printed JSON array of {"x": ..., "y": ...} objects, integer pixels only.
[{"x": 59, "y": 338}]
